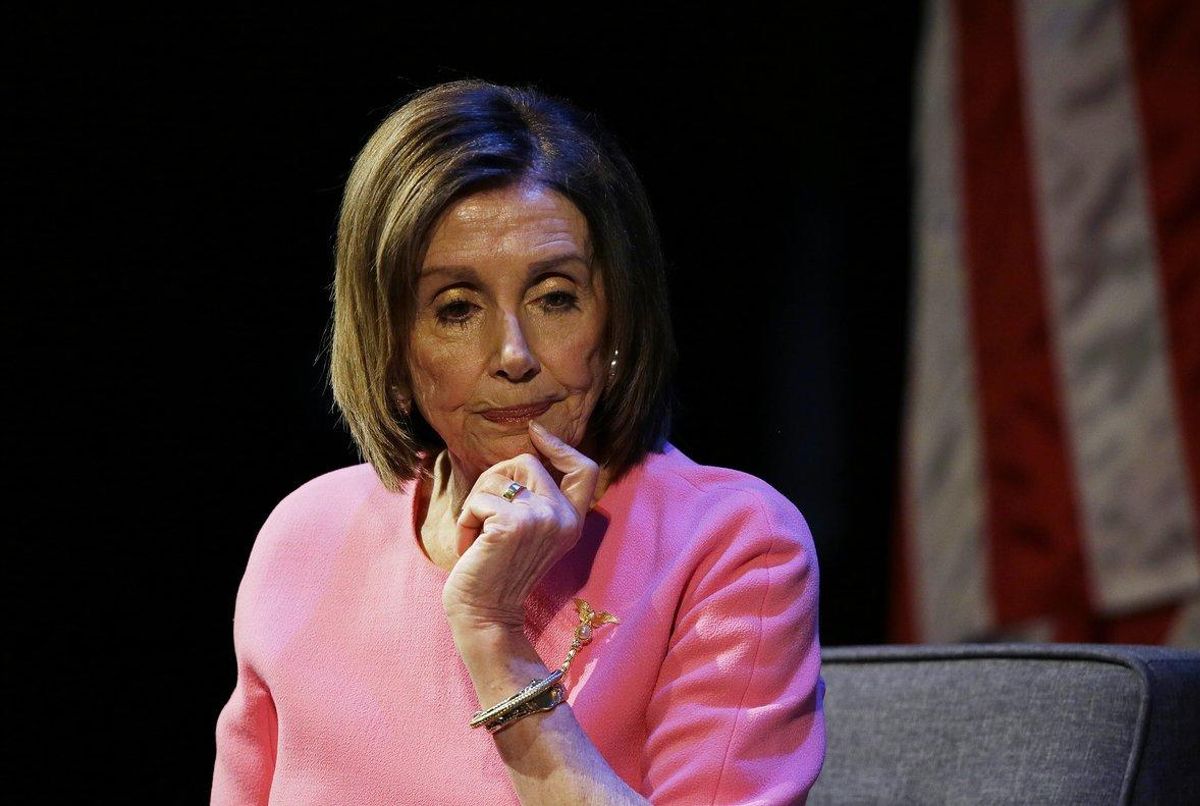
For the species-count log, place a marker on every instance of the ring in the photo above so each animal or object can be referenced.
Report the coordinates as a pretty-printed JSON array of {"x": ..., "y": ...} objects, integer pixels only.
[{"x": 512, "y": 491}]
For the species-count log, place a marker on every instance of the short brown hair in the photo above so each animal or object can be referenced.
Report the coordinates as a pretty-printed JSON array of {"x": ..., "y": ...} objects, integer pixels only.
[{"x": 444, "y": 143}]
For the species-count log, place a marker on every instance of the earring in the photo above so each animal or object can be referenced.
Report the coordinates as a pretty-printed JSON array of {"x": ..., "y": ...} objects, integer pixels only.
[{"x": 612, "y": 365}]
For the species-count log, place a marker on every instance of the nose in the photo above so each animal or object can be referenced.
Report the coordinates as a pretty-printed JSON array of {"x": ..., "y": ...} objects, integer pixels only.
[{"x": 515, "y": 360}]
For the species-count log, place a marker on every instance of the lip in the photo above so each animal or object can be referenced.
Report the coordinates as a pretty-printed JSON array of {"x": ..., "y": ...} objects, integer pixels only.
[{"x": 516, "y": 414}]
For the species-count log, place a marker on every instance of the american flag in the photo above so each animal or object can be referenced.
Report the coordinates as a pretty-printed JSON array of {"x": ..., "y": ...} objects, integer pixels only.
[{"x": 1050, "y": 479}]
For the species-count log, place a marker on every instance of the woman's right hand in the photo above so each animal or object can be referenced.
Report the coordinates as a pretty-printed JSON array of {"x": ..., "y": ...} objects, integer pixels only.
[{"x": 506, "y": 547}]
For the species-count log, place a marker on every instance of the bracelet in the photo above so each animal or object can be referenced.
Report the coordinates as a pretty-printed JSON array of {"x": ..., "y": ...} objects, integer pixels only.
[
  {"x": 547, "y": 693},
  {"x": 535, "y": 689},
  {"x": 543, "y": 702}
]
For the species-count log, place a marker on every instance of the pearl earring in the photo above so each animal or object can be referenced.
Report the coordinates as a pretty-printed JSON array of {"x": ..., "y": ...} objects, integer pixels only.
[{"x": 612, "y": 365}]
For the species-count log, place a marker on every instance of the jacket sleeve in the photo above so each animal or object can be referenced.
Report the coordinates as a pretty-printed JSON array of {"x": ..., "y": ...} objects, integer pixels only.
[
  {"x": 247, "y": 727},
  {"x": 246, "y": 732},
  {"x": 736, "y": 714},
  {"x": 290, "y": 554}
]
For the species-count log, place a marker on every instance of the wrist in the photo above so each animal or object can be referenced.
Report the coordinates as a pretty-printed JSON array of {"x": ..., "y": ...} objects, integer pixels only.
[
  {"x": 494, "y": 639},
  {"x": 470, "y": 620},
  {"x": 499, "y": 659},
  {"x": 469, "y": 613}
]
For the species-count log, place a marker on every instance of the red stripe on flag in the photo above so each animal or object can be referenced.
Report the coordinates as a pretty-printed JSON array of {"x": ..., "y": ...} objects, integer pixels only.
[
  {"x": 1036, "y": 559},
  {"x": 1165, "y": 37},
  {"x": 1151, "y": 626}
]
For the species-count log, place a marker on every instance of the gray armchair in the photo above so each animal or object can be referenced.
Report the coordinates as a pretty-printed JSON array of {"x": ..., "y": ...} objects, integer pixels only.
[{"x": 1011, "y": 723}]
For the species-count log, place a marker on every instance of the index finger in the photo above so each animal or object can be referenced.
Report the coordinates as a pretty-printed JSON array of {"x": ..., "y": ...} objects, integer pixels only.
[{"x": 580, "y": 473}]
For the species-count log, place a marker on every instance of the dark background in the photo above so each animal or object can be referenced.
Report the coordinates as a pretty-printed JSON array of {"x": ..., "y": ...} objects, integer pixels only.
[{"x": 174, "y": 180}]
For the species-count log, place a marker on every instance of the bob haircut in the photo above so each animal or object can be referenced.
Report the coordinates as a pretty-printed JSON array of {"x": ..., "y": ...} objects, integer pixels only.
[{"x": 443, "y": 144}]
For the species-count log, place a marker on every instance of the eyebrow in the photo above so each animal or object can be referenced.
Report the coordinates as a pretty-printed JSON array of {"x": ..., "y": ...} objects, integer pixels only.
[{"x": 467, "y": 274}]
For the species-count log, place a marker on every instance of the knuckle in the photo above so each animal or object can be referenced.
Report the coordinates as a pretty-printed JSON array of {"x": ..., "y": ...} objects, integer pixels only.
[
  {"x": 564, "y": 517},
  {"x": 542, "y": 510}
]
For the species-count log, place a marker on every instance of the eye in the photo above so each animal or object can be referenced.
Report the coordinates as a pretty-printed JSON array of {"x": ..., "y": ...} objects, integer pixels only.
[
  {"x": 557, "y": 301},
  {"x": 455, "y": 313}
]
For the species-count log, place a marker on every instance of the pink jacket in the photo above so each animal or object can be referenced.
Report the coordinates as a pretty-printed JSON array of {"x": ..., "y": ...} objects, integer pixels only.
[{"x": 350, "y": 691}]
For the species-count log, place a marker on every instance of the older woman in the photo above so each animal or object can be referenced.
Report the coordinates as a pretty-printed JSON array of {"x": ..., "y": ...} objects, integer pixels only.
[{"x": 524, "y": 593}]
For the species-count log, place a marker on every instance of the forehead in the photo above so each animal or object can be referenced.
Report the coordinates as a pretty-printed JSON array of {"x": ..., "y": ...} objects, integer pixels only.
[{"x": 516, "y": 221}]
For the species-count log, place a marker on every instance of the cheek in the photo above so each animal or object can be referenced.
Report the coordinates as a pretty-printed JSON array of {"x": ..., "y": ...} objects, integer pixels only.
[
  {"x": 438, "y": 376},
  {"x": 576, "y": 364},
  {"x": 575, "y": 356}
]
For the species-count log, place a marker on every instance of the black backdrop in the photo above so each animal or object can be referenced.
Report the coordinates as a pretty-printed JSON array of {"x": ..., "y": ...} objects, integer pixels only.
[{"x": 175, "y": 179}]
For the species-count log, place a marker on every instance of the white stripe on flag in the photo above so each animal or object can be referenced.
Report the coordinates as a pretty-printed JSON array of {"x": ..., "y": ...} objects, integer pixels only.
[
  {"x": 945, "y": 495},
  {"x": 1098, "y": 247}
]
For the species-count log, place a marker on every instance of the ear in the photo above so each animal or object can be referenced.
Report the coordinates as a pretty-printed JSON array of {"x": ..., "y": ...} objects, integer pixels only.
[{"x": 401, "y": 397}]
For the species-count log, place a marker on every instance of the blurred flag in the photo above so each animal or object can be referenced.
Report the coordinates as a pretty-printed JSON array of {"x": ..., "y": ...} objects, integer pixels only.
[{"x": 1050, "y": 484}]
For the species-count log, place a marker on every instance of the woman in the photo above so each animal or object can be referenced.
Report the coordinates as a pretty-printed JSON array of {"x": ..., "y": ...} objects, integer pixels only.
[{"x": 522, "y": 551}]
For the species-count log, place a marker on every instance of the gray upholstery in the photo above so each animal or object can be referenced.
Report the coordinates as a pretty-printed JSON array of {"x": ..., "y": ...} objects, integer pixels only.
[{"x": 1011, "y": 723}]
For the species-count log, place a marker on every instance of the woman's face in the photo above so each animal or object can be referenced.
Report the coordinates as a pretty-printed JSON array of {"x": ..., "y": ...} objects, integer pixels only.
[{"x": 509, "y": 321}]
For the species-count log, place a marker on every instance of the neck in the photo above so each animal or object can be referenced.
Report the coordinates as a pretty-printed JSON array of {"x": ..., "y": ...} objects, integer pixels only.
[{"x": 456, "y": 482}]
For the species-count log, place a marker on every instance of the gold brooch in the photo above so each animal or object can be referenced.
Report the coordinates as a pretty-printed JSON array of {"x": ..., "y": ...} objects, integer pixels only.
[{"x": 589, "y": 621}]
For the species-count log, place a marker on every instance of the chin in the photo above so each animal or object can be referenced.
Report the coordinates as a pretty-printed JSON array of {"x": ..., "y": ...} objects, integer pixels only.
[
  {"x": 498, "y": 449},
  {"x": 517, "y": 444}
]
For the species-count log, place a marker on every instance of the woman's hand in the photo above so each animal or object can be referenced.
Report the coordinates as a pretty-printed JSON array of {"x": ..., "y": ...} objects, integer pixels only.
[{"x": 505, "y": 547}]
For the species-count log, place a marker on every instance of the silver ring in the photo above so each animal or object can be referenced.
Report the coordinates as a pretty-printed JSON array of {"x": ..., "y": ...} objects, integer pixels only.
[{"x": 511, "y": 493}]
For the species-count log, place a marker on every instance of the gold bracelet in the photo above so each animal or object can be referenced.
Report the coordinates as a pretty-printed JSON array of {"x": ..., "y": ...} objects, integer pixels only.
[{"x": 547, "y": 693}]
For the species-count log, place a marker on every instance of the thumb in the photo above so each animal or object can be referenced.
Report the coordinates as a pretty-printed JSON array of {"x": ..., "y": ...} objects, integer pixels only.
[{"x": 580, "y": 473}]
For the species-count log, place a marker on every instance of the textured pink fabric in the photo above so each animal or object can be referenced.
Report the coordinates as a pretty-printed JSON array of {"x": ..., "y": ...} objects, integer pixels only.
[{"x": 350, "y": 690}]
